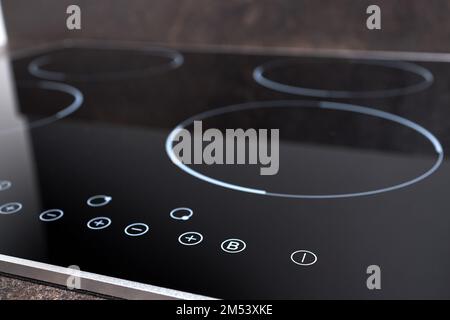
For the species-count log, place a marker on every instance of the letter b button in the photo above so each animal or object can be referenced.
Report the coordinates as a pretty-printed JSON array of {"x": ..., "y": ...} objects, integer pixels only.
[{"x": 233, "y": 246}]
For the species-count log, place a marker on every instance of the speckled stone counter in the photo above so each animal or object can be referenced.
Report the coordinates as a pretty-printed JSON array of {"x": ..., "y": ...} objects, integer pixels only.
[{"x": 18, "y": 289}]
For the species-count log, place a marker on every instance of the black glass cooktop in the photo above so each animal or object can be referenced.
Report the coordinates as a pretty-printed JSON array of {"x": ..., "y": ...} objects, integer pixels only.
[{"x": 88, "y": 179}]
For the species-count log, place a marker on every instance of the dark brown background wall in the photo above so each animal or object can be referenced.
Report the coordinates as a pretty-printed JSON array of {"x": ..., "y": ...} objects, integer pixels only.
[{"x": 412, "y": 25}]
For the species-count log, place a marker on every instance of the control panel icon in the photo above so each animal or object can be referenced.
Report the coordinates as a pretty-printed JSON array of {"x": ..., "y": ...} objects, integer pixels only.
[
  {"x": 136, "y": 229},
  {"x": 233, "y": 245},
  {"x": 10, "y": 208},
  {"x": 51, "y": 215},
  {"x": 99, "y": 223},
  {"x": 99, "y": 201},
  {"x": 181, "y": 214},
  {"x": 304, "y": 258},
  {"x": 5, "y": 185},
  {"x": 190, "y": 238}
]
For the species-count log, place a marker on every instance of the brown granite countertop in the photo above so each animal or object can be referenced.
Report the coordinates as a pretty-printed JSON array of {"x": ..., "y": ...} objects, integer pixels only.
[{"x": 21, "y": 289}]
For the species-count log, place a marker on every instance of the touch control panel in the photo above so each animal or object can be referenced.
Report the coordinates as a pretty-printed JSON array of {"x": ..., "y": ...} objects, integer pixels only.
[{"x": 137, "y": 229}]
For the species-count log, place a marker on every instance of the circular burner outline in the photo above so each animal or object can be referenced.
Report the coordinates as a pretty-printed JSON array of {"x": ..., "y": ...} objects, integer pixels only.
[
  {"x": 306, "y": 104},
  {"x": 35, "y": 67},
  {"x": 78, "y": 100},
  {"x": 425, "y": 74}
]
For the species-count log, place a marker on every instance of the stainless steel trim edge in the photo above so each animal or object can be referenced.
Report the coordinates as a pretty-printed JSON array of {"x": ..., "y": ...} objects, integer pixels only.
[{"x": 92, "y": 282}]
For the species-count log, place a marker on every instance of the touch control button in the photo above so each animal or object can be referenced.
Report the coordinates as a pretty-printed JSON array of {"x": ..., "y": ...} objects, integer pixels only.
[
  {"x": 233, "y": 246},
  {"x": 304, "y": 258},
  {"x": 99, "y": 223},
  {"x": 10, "y": 208},
  {"x": 190, "y": 238},
  {"x": 136, "y": 229},
  {"x": 181, "y": 214},
  {"x": 51, "y": 215},
  {"x": 5, "y": 185},
  {"x": 99, "y": 201}
]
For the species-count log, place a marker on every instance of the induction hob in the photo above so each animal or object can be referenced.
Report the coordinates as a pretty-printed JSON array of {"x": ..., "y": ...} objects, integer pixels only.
[{"x": 88, "y": 178}]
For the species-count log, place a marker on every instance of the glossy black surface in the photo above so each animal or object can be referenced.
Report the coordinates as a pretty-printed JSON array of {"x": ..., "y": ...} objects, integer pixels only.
[{"x": 115, "y": 145}]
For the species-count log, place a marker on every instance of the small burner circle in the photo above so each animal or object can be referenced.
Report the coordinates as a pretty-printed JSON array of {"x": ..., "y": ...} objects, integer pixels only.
[
  {"x": 259, "y": 75},
  {"x": 78, "y": 99},
  {"x": 306, "y": 104},
  {"x": 176, "y": 59}
]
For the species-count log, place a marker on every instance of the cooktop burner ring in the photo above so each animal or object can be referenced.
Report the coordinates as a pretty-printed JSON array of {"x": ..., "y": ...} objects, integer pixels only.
[
  {"x": 36, "y": 67},
  {"x": 306, "y": 104},
  {"x": 425, "y": 74},
  {"x": 77, "y": 102}
]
